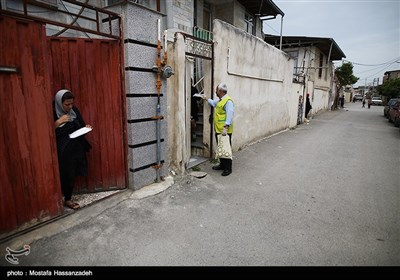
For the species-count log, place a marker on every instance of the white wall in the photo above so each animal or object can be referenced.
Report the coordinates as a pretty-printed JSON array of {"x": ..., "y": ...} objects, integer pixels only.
[
  {"x": 259, "y": 79},
  {"x": 320, "y": 100}
]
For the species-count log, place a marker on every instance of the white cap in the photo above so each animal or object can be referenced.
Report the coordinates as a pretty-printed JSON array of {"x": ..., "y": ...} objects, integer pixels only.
[{"x": 223, "y": 87}]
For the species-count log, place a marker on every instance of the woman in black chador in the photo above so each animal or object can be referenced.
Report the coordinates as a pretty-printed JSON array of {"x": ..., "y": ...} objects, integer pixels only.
[
  {"x": 71, "y": 151},
  {"x": 308, "y": 106}
]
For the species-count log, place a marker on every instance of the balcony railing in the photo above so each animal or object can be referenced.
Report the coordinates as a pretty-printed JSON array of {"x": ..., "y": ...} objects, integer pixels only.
[{"x": 202, "y": 33}]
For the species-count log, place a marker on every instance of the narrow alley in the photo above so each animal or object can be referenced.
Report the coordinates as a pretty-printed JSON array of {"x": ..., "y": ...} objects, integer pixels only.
[{"x": 323, "y": 194}]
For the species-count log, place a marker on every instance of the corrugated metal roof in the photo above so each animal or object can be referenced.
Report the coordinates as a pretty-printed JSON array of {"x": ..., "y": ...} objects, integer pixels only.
[
  {"x": 262, "y": 8},
  {"x": 324, "y": 44}
]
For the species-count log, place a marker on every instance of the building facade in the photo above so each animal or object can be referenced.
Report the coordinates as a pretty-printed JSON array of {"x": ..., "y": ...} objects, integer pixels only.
[
  {"x": 313, "y": 68},
  {"x": 391, "y": 75}
]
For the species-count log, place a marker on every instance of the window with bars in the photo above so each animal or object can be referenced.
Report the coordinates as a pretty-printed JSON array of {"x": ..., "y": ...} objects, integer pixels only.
[
  {"x": 295, "y": 56},
  {"x": 297, "y": 70}
]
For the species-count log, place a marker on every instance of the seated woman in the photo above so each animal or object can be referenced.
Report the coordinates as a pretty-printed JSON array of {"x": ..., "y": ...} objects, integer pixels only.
[{"x": 71, "y": 151}]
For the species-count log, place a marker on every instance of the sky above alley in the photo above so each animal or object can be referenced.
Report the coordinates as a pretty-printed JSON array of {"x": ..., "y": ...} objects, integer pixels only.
[{"x": 367, "y": 31}]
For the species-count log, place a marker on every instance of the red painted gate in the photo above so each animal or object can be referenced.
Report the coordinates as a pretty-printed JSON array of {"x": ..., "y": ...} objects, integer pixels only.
[
  {"x": 91, "y": 70},
  {"x": 29, "y": 181},
  {"x": 32, "y": 69}
]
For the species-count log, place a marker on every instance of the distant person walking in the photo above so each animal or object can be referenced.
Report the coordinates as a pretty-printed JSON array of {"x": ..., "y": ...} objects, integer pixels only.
[
  {"x": 369, "y": 102},
  {"x": 363, "y": 102},
  {"x": 308, "y": 108},
  {"x": 342, "y": 101}
]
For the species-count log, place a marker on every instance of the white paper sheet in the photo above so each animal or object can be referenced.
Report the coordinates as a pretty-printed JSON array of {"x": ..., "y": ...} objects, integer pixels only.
[
  {"x": 198, "y": 95},
  {"x": 80, "y": 132}
]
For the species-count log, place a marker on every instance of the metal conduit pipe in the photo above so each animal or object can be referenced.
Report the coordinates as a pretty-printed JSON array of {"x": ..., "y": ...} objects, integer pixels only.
[{"x": 158, "y": 117}]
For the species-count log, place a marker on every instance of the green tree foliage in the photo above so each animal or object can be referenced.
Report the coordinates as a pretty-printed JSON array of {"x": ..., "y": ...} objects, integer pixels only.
[
  {"x": 390, "y": 88},
  {"x": 343, "y": 76}
]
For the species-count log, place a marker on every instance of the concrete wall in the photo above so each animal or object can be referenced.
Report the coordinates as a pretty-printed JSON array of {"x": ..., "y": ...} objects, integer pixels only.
[
  {"x": 176, "y": 109},
  {"x": 140, "y": 41},
  {"x": 225, "y": 12},
  {"x": 319, "y": 100},
  {"x": 183, "y": 15},
  {"x": 259, "y": 79},
  {"x": 180, "y": 15},
  {"x": 238, "y": 15}
]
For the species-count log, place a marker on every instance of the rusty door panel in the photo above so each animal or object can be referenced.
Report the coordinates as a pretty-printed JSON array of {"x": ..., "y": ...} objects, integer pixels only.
[
  {"x": 29, "y": 181},
  {"x": 91, "y": 70}
]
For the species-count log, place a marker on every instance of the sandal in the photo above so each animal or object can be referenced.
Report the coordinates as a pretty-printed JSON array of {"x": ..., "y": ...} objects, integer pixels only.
[{"x": 71, "y": 204}]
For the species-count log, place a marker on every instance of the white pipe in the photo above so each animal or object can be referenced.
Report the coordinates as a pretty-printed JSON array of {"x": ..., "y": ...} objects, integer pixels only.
[
  {"x": 165, "y": 40},
  {"x": 159, "y": 30}
]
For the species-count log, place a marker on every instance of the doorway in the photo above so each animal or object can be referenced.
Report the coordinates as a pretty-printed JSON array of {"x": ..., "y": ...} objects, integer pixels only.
[{"x": 198, "y": 77}]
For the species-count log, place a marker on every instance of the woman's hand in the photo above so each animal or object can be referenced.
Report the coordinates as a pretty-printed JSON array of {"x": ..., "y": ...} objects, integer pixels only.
[
  {"x": 89, "y": 126},
  {"x": 63, "y": 119}
]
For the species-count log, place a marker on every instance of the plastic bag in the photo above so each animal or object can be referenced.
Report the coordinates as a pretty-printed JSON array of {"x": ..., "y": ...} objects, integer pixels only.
[{"x": 224, "y": 149}]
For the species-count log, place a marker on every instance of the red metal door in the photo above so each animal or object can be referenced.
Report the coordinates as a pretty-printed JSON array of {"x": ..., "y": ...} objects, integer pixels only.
[
  {"x": 91, "y": 69},
  {"x": 29, "y": 180}
]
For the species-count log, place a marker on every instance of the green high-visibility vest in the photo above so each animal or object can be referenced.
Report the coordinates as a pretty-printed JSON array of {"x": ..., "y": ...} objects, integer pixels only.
[{"x": 220, "y": 116}]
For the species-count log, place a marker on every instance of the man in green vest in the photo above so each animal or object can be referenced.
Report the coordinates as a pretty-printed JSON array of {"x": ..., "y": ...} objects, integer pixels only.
[{"x": 223, "y": 116}]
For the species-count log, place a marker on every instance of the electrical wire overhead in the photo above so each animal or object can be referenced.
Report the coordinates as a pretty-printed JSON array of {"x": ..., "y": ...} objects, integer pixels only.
[{"x": 380, "y": 64}]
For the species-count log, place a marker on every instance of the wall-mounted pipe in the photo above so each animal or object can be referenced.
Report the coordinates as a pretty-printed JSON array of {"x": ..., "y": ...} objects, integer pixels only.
[
  {"x": 166, "y": 71},
  {"x": 158, "y": 116}
]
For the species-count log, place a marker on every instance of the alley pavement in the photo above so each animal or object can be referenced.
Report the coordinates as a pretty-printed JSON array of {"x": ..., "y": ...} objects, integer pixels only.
[{"x": 322, "y": 194}]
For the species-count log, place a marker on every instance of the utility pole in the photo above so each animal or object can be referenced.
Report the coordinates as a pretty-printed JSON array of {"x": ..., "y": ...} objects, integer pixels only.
[
  {"x": 365, "y": 87},
  {"x": 373, "y": 84}
]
